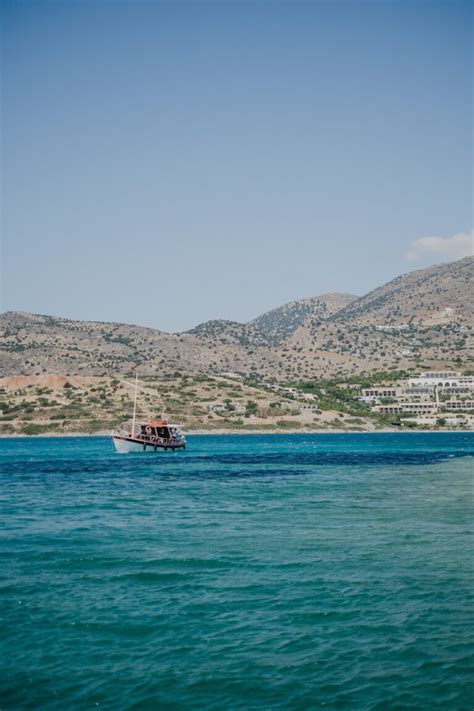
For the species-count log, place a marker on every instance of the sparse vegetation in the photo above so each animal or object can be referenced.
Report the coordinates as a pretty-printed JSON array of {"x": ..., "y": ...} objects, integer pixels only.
[{"x": 328, "y": 347}]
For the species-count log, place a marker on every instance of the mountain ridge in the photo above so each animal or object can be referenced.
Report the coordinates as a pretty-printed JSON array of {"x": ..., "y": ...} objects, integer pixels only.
[
  {"x": 424, "y": 316},
  {"x": 281, "y": 322},
  {"x": 419, "y": 279}
]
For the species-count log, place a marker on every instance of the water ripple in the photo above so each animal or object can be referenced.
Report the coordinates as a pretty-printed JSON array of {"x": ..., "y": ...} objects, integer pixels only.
[{"x": 290, "y": 572}]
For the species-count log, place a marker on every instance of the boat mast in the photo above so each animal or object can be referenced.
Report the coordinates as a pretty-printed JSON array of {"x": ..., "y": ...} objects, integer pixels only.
[{"x": 135, "y": 404}]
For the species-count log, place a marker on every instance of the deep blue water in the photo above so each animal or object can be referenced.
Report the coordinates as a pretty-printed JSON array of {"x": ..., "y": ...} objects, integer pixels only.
[{"x": 249, "y": 572}]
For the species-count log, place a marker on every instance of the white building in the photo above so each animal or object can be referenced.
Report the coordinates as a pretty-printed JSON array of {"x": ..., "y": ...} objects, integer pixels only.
[
  {"x": 416, "y": 391},
  {"x": 455, "y": 420},
  {"x": 374, "y": 394},
  {"x": 458, "y": 405},
  {"x": 398, "y": 408},
  {"x": 466, "y": 381},
  {"x": 437, "y": 378}
]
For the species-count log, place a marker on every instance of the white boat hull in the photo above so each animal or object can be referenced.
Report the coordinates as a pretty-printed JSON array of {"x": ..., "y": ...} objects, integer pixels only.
[{"x": 127, "y": 445}]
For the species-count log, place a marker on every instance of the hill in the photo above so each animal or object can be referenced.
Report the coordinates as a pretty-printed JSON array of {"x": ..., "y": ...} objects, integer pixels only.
[
  {"x": 274, "y": 326},
  {"x": 282, "y": 322},
  {"x": 34, "y": 344},
  {"x": 225, "y": 332},
  {"x": 421, "y": 318},
  {"x": 440, "y": 294}
]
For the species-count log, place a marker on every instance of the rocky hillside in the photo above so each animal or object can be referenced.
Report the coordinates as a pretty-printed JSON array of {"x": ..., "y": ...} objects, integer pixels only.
[
  {"x": 441, "y": 294},
  {"x": 35, "y": 344},
  {"x": 282, "y": 322},
  {"x": 274, "y": 326},
  {"x": 225, "y": 332},
  {"x": 421, "y": 318}
]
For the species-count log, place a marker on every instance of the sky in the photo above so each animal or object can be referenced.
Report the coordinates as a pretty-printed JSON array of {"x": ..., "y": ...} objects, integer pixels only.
[{"x": 167, "y": 163}]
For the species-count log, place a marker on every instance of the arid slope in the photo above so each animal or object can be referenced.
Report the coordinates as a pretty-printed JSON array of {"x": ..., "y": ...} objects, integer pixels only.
[{"x": 422, "y": 318}]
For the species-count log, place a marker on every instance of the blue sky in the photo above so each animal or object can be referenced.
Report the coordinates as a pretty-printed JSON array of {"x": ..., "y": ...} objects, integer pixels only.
[{"x": 165, "y": 163}]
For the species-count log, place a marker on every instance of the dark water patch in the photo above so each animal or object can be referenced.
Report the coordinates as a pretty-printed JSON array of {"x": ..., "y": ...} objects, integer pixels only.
[
  {"x": 340, "y": 458},
  {"x": 239, "y": 464}
]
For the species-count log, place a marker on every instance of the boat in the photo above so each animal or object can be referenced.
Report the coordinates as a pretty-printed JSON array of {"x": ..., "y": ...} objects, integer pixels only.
[{"x": 148, "y": 435}]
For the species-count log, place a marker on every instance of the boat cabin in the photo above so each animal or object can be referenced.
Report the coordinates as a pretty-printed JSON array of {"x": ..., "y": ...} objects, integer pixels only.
[{"x": 158, "y": 429}]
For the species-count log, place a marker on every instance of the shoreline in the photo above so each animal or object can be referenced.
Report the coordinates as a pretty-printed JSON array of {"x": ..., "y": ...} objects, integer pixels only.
[{"x": 63, "y": 435}]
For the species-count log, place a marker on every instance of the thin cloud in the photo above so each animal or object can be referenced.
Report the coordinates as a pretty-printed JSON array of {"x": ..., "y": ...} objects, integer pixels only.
[{"x": 445, "y": 249}]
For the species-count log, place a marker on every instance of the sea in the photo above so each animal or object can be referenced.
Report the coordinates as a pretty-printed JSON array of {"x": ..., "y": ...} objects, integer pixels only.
[{"x": 248, "y": 572}]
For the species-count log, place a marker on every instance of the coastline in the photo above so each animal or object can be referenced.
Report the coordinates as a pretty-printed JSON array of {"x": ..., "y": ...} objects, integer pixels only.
[{"x": 385, "y": 430}]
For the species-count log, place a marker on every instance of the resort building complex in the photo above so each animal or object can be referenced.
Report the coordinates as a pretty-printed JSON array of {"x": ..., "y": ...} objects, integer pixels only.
[{"x": 428, "y": 398}]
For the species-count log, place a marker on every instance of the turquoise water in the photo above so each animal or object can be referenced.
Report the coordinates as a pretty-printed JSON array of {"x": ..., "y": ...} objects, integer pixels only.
[{"x": 249, "y": 572}]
